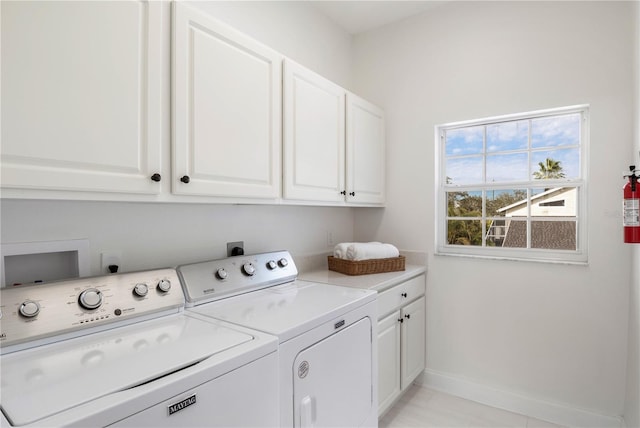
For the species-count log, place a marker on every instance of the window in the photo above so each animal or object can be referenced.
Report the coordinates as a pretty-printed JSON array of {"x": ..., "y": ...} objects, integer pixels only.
[
  {"x": 559, "y": 203},
  {"x": 514, "y": 186}
]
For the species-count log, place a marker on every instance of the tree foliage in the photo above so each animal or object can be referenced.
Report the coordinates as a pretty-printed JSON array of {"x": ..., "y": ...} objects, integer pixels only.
[
  {"x": 504, "y": 199},
  {"x": 464, "y": 204},
  {"x": 464, "y": 232},
  {"x": 549, "y": 169}
]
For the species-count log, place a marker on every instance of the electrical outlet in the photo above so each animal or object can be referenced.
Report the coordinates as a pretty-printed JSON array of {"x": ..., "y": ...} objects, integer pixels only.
[
  {"x": 110, "y": 258},
  {"x": 233, "y": 245},
  {"x": 330, "y": 242}
]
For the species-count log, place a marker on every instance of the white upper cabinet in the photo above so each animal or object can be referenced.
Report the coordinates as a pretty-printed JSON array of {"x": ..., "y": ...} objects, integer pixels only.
[
  {"x": 226, "y": 110},
  {"x": 89, "y": 96},
  {"x": 334, "y": 142},
  {"x": 314, "y": 136},
  {"x": 81, "y": 90},
  {"x": 365, "y": 152}
]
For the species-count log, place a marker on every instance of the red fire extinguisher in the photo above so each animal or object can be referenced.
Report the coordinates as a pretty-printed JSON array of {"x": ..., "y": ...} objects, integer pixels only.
[{"x": 631, "y": 208}]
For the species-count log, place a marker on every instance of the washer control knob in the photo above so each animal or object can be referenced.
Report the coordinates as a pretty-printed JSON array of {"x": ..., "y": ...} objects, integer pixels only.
[
  {"x": 248, "y": 269},
  {"x": 221, "y": 274},
  {"x": 164, "y": 285},
  {"x": 141, "y": 289},
  {"x": 29, "y": 309},
  {"x": 90, "y": 298},
  {"x": 271, "y": 264},
  {"x": 283, "y": 262}
]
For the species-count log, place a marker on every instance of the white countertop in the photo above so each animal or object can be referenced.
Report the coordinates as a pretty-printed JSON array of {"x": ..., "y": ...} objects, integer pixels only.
[{"x": 377, "y": 281}]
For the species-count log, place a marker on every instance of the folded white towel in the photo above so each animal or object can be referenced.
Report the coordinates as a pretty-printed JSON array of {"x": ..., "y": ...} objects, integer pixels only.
[
  {"x": 340, "y": 250},
  {"x": 371, "y": 250}
]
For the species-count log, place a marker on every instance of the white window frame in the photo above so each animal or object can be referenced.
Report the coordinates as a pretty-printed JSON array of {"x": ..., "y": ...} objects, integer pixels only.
[{"x": 579, "y": 256}]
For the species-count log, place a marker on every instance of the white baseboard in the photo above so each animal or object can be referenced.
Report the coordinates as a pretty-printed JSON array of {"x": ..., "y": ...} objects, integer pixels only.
[{"x": 545, "y": 410}]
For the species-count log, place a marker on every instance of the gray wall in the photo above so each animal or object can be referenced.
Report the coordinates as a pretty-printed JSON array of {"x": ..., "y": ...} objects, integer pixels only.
[
  {"x": 632, "y": 404},
  {"x": 550, "y": 332},
  {"x": 554, "y": 333},
  {"x": 155, "y": 234}
]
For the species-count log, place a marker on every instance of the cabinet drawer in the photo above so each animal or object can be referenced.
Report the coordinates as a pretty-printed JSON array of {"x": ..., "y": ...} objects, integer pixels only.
[{"x": 401, "y": 294}]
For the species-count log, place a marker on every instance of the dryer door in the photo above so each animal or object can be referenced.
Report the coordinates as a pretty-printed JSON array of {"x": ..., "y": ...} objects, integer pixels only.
[{"x": 333, "y": 379}]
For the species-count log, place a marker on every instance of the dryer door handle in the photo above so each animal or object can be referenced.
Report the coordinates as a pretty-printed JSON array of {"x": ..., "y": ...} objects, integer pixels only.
[{"x": 307, "y": 412}]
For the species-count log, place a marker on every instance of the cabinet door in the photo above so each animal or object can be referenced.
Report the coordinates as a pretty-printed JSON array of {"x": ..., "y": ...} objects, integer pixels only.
[
  {"x": 81, "y": 95},
  {"x": 227, "y": 97},
  {"x": 365, "y": 152},
  {"x": 314, "y": 136},
  {"x": 388, "y": 361},
  {"x": 413, "y": 340}
]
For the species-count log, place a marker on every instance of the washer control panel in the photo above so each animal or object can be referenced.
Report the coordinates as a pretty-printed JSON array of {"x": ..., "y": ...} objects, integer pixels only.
[
  {"x": 218, "y": 279},
  {"x": 32, "y": 312}
]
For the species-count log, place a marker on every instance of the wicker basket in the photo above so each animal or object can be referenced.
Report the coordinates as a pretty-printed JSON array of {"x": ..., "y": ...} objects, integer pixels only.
[{"x": 365, "y": 267}]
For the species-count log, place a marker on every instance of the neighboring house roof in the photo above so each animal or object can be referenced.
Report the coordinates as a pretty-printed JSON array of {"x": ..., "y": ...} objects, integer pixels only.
[
  {"x": 545, "y": 234},
  {"x": 549, "y": 235},
  {"x": 542, "y": 195},
  {"x": 516, "y": 235}
]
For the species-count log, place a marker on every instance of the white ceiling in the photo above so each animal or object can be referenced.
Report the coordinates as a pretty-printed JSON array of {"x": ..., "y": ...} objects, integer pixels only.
[{"x": 357, "y": 16}]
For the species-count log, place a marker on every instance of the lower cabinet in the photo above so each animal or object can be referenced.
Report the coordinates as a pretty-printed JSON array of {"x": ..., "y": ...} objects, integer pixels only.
[
  {"x": 412, "y": 340},
  {"x": 388, "y": 360},
  {"x": 401, "y": 339}
]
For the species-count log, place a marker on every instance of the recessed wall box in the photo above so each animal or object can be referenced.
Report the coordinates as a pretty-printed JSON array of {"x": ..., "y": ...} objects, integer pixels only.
[{"x": 34, "y": 262}]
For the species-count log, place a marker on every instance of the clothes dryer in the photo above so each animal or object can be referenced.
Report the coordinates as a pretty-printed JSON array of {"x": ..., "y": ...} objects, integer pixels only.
[{"x": 327, "y": 334}]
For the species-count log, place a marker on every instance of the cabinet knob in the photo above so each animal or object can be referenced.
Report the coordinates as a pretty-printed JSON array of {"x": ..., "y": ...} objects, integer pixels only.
[
  {"x": 400, "y": 320},
  {"x": 185, "y": 179},
  {"x": 344, "y": 192},
  {"x": 156, "y": 177},
  {"x": 404, "y": 295},
  {"x": 352, "y": 193},
  {"x": 407, "y": 316}
]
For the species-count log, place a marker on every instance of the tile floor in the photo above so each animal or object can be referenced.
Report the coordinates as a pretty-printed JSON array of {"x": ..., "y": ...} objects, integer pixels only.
[{"x": 423, "y": 407}]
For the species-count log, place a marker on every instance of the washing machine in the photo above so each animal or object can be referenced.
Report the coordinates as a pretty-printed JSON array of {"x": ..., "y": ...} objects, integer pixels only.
[
  {"x": 119, "y": 350},
  {"x": 327, "y": 335}
]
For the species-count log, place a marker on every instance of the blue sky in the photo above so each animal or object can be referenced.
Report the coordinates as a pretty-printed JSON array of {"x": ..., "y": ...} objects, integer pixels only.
[{"x": 507, "y": 149}]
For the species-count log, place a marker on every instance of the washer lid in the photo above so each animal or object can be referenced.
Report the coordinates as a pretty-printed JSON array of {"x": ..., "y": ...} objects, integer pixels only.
[
  {"x": 287, "y": 310},
  {"x": 42, "y": 381}
]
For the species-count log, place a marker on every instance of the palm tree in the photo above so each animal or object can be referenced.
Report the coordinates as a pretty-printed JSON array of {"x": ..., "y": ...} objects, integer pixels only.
[{"x": 549, "y": 169}]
